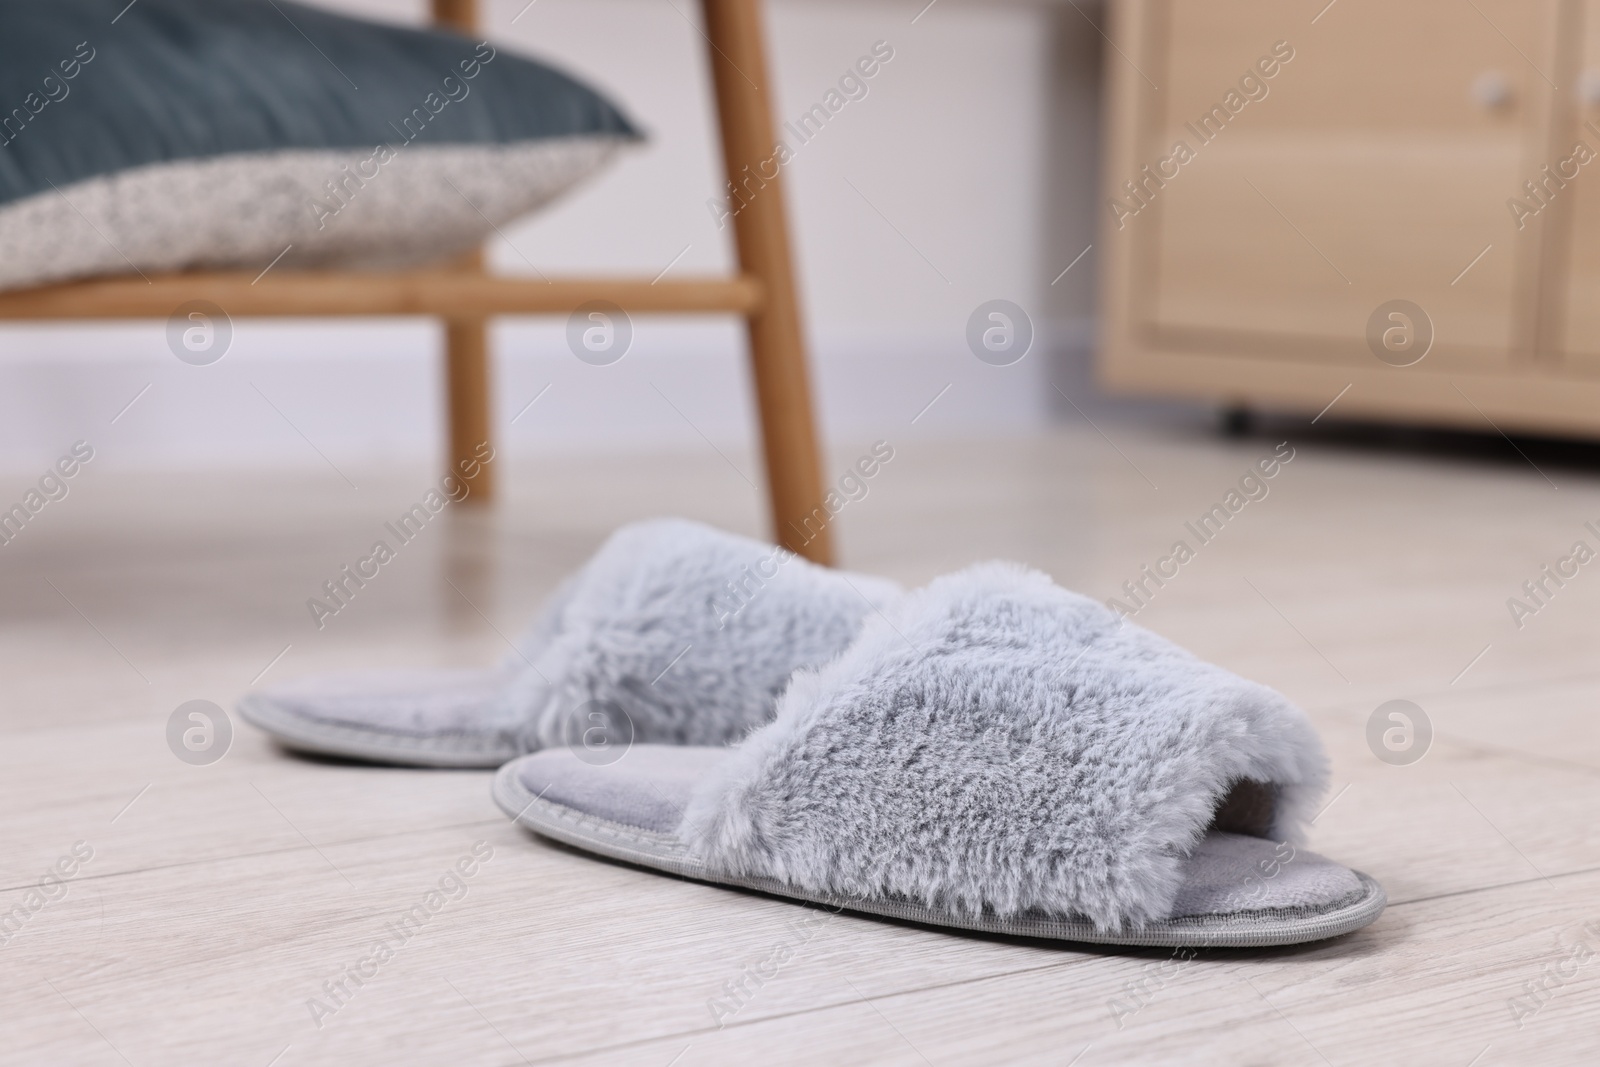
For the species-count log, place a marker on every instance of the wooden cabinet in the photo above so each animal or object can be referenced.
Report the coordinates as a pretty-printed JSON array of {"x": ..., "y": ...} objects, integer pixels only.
[{"x": 1280, "y": 173}]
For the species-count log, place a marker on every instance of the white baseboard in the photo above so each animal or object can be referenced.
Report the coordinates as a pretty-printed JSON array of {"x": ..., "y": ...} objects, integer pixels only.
[{"x": 289, "y": 393}]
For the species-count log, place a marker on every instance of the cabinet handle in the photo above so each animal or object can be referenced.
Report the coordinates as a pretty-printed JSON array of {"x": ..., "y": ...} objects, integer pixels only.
[{"x": 1491, "y": 90}]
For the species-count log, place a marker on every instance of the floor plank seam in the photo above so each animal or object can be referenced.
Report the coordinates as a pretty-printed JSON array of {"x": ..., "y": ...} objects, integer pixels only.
[
  {"x": 86, "y": 878},
  {"x": 1485, "y": 748},
  {"x": 1487, "y": 689},
  {"x": 800, "y": 1013},
  {"x": 1492, "y": 888}
]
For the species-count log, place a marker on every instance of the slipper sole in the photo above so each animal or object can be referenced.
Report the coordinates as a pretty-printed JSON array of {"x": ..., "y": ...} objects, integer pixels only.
[
  {"x": 666, "y": 852},
  {"x": 460, "y": 752}
]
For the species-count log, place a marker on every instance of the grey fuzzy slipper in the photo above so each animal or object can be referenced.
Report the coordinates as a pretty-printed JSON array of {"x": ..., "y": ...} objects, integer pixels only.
[
  {"x": 674, "y": 632},
  {"x": 993, "y": 753}
]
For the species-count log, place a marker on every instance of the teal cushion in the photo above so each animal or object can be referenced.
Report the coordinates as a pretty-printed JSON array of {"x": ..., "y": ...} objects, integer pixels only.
[{"x": 169, "y": 80}]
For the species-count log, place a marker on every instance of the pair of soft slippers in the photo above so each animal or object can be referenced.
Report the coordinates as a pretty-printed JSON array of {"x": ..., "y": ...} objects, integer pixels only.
[{"x": 990, "y": 752}]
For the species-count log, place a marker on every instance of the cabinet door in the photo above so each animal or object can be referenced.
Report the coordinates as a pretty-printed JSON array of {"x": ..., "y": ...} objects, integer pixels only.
[
  {"x": 1574, "y": 285},
  {"x": 1338, "y": 160}
]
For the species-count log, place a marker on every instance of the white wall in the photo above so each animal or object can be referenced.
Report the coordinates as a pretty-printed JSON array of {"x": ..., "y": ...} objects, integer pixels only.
[{"x": 953, "y": 176}]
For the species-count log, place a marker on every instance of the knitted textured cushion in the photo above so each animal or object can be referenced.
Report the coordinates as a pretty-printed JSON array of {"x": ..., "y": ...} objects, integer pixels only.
[{"x": 169, "y": 134}]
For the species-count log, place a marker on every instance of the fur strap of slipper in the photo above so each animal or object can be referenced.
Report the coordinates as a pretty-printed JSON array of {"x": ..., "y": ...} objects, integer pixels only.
[
  {"x": 678, "y": 633},
  {"x": 994, "y": 743}
]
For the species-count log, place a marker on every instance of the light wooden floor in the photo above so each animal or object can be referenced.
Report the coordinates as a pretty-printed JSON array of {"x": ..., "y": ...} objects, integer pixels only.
[{"x": 219, "y": 899}]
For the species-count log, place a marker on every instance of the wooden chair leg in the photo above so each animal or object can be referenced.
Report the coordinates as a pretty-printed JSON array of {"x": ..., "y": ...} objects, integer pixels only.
[
  {"x": 459, "y": 15},
  {"x": 467, "y": 386},
  {"x": 777, "y": 346}
]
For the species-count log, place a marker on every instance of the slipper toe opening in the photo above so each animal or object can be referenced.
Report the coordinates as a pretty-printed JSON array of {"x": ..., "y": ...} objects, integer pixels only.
[
  {"x": 1231, "y": 874},
  {"x": 1237, "y": 868}
]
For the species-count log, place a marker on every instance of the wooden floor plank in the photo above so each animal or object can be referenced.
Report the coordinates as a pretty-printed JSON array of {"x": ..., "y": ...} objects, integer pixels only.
[
  {"x": 217, "y": 904},
  {"x": 1422, "y": 984}
]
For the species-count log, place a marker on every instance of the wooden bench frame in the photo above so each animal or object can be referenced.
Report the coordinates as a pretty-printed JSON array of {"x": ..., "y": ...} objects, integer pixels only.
[{"x": 763, "y": 292}]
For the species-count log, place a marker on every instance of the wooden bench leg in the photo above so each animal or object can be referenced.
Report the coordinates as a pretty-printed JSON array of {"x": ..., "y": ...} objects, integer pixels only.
[
  {"x": 467, "y": 386},
  {"x": 777, "y": 346}
]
